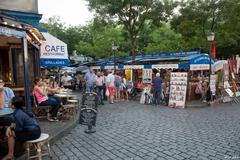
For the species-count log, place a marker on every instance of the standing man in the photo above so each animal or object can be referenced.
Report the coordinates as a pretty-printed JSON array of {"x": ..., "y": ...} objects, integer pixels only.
[
  {"x": 89, "y": 79},
  {"x": 66, "y": 80},
  {"x": 110, "y": 86},
  {"x": 99, "y": 86},
  {"x": 156, "y": 84}
]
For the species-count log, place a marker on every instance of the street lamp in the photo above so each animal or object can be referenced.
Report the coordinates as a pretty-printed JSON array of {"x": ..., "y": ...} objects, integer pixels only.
[
  {"x": 210, "y": 38},
  {"x": 114, "y": 49}
]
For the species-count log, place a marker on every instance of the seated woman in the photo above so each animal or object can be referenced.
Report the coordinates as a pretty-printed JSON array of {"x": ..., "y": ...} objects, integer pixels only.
[
  {"x": 23, "y": 128},
  {"x": 40, "y": 92}
]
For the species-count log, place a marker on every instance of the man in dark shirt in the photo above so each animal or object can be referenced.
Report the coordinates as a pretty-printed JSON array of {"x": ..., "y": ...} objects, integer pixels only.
[{"x": 156, "y": 85}]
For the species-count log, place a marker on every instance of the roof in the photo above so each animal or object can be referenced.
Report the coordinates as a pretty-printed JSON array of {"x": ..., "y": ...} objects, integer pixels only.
[{"x": 12, "y": 22}]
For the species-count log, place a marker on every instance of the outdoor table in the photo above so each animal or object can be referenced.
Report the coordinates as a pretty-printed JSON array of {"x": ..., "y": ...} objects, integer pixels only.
[{"x": 5, "y": 112}]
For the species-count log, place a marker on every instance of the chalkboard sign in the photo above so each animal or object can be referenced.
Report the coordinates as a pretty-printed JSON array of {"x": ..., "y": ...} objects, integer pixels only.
[
  {"x": 90, "y": 99},
  {"x": 88, "y": 116}
]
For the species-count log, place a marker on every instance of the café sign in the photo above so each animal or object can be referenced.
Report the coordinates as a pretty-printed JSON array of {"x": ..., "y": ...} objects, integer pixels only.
[{"x": 53, "y": 51}]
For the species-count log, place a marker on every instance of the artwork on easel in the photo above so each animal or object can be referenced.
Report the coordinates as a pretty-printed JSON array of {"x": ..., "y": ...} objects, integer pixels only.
[{"x": 178, "y": 90}]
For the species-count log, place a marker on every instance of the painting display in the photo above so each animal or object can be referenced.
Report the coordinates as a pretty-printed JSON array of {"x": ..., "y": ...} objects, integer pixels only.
[{"x": 178, "y": 90}]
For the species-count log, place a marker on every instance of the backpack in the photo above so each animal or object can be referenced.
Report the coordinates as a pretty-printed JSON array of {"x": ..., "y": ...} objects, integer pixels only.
[{"x": 117, "y": 81}]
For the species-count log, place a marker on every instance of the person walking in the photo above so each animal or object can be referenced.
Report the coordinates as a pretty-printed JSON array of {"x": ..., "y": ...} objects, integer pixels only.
[
  {"x": 156, "y": 84},
  {"x": 117, "y": 87},
  {"x": 99, "y": 86},
  {"x": 124, "y": 88},
  {"x": 89, "y": 79},
  {"x": 110, "y": 86}
]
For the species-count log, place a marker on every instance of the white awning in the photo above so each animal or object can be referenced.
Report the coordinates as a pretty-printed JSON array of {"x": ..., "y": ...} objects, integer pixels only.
[{"x": 53, "y": 51}]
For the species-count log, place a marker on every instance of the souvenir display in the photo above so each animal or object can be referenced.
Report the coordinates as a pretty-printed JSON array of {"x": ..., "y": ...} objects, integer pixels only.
[
  {"x": 147, "y": 76},
  {"x": 178, "y": 90}
]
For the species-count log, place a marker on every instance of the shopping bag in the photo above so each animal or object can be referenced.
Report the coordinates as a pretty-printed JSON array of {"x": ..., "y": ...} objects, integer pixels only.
[{"x": 107, "y": 92}]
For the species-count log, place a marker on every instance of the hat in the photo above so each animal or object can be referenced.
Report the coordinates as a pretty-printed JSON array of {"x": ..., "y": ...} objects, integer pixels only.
[{"x": 158, "y": 74}]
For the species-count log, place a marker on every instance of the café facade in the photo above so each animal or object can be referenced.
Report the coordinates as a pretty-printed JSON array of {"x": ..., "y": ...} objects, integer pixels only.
[{"x": 19, "y": 54}]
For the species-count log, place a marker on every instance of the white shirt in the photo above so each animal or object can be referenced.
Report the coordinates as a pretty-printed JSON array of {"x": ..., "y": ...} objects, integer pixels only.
[
  {"x": 110, "y": 80},
  {"x": 66, "y": 80},
  {"x": 99, "y": 81}
]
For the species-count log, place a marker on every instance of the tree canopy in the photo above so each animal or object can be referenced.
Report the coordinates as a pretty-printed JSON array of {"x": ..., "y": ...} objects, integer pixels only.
[{"x": 153, "y": 26}]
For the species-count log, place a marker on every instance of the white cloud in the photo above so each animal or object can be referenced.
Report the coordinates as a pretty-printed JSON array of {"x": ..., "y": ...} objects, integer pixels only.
[{"x": 71, "y": 12}]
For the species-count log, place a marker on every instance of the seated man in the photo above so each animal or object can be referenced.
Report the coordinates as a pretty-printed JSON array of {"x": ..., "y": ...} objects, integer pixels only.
[
  {"x": 6, "y": 94},
  {"x": 23, "y": 128}
]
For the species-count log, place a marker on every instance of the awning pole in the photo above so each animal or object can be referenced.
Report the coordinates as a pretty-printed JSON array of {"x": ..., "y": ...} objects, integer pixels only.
[{"x": 26, "y": 75}]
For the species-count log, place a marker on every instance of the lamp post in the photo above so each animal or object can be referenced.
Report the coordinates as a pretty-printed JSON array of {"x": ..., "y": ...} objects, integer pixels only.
[
  {"x": 210, "y": 38},
  {"x": 114, "y": 49}
]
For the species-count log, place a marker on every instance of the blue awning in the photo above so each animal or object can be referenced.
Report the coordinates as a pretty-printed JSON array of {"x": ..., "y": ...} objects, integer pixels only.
[
  {"x": 197, "y": 59},
  {"x": 159, "y": 59}
]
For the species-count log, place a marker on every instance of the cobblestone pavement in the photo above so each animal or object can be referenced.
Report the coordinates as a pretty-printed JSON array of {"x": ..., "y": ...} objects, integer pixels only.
[{"x": 130, "y": 131}]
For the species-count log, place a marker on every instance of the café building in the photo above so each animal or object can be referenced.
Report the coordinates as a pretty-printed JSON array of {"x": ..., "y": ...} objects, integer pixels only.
[{"x": 19, "y": 54}]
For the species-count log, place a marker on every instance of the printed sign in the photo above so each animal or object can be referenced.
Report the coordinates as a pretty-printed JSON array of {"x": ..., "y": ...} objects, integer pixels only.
[
  {"x": 53, "y": 51},
  {"x": 178, "y": 90},
  {"x": 165, "y": 66},
  {"x": 12, "y": 32},
  {"x": 128, "y": 74},
  {"x": 108, "y": 67},
  {"x": 238, "y": 63},
  {"x": 226, "y": 71},
  {"x": 194, "y": 67},
  {"x": 147, "y": 76}
]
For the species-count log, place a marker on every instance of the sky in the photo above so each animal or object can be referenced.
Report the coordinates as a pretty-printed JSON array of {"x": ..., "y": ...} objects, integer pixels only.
[{"x": 71, "y": 12}]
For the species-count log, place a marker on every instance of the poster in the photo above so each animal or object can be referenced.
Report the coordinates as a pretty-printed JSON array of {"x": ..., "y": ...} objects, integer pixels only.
[
  {"x": 128, "y": 74},
  {"x": 238, "y": 63},
  {"x": 147, "y": 76},
  {"x": 226, "y": 71},
  {"x": 213, "y": 82},
  {"x": 178, "y": 90}
]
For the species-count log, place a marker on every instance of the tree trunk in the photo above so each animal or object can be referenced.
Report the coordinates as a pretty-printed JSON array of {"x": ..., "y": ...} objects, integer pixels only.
[{"x": 133, "y": 46}]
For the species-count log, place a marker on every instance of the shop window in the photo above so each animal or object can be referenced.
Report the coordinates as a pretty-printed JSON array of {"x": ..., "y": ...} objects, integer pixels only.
[
  {"x": 18, "y": 66},
  {"x": 5, "y": 71}
]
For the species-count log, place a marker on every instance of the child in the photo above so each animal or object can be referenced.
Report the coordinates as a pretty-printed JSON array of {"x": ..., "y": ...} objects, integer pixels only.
[{"x": 23, "y": 129}]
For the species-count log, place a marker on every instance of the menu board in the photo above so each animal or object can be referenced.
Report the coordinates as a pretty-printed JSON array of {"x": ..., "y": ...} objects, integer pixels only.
[
  {"x": 178, "y": 90},
  {"x": 147, "y": 75}
]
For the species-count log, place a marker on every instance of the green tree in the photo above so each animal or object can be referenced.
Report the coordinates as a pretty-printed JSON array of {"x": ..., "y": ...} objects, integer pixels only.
[
  {"x": 197, "y": 17},
  {"x": 133, "y": 14},
  {"x": 164, "y": 39},
  {"x": 100, "y": 43}
]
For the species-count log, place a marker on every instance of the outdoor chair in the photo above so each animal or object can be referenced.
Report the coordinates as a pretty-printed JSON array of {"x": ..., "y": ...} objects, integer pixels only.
[
  {"x": 40, "y": 111},
  {"x": 44, "y": 150}
]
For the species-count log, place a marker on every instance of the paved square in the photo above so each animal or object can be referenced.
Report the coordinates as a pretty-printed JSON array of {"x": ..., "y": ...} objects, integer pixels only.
[{"x": 131, "y": 131}]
